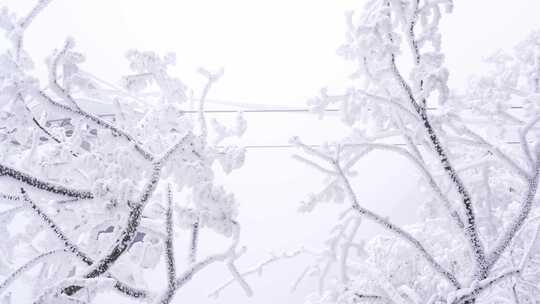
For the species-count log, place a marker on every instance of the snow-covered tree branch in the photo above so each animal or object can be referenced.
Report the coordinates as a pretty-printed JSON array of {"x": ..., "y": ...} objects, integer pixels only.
[
  {"x": 486, "y": 205},
  {"x": 110, "y": 190}
]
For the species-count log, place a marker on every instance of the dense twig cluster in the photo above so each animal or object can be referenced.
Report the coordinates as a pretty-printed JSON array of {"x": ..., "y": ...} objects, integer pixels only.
[
  {"x": 111, "y": 173},
  {"x": 454, "y": 134}
]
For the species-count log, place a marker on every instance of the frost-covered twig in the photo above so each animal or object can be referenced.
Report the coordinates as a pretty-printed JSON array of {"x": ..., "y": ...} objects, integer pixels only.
[
  {"x": 313, "y": 165},
  {"x": 184, "y": 141},
  {"x": 310, "y": 150},
  {"x": 52, "y": 225},
  {"x": 187, "y": 275},
  {"x": 194, "y": 243},
  {"x": 73, "y": 248},
  {"x": 376, "y": 146},
  {"x": 134, "y": 218},
  {"x": 10, "y": 212},
  {"x": 529, "y": 248},
  {"x": 523, "y": 139},
  {"x": 470, "y": 226},
  {"x": 25, "y": 23},
  {"x": 381, "y": 220},
  {"x": 495, "y": 150},
  {"x": 211, "y": 79},
  {"x": 25, "y": 267},
  {"x": 345, "y": 250},
  {"x": 256, "y": 270},
  {"x": 122, "y": 243},
  {"x": 42, "y": 128},
  {"x": 472, "y": 293},
  {"x": 426, "y": 174},
  {"x": 57, "y": 291},
  {"x": 43, "y": 185},
  {"x": 508, "y": 235},
  {"x": 239, "y": 278},
  {"x": 397, "y": 230},
  {"x": 53, "y": 74},
  {"x": 389, "y": 102},
  {"x": 10, "y": 197},
  {"x": 40, "y": 6},
  {"x": 102, "y": 123},
  {"x": 169, "y": 241},
  {"x": 370, "y": 297}
]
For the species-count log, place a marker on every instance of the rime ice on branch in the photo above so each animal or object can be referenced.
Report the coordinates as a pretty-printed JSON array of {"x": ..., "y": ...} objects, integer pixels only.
[
  {"x": 478, "y": 193},
  {"x": 112, "y": 168}
]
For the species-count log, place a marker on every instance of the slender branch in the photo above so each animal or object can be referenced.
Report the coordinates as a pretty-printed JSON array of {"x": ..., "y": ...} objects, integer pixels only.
[
  {"x": 128, "y": 233},
  {"x": 505, "y": 158},
  {"x": 483, "y": 286},
  {"x": 397, "y": 230},
  {"x": 59, "y": 233},
  {"x": 185, "y": 277},
  {"x": 371, "y": 146},
  {"x": 194, "y": 242},
  {"x": 102, "y": 123},
  {"x": 25, "y": 267},
  {"x": 515, "y": 294},
  {"x": 239, "y": 278},
  {"x": 529, "y": 248},
  {"x": 489, "y": 195},
  {"x": 427, "y": 175},
  {"x": 523, "y": 139},
  {"x": 11, "y": 212},
  {"x": 71, "y": 247},
  {"x": 25, "y": 23},
  {"x": 202, "y": 118},
  {"x": 169, "y": 241},
  {"x": 508, "y": 235},
  {"x": 389, "y": 102},
  {"x": 258, "y": 269},
  {"x": 369, "y": 297},
  {"x": 40, "y": 6},
  {"x": 53, "y": 75},
  {"x": 313, "y": 165},
  {"x": 10, "y": 197},
  {"x": 470, "y": 228},
  {"x": 345, "y": 251},
  {"x": 43, "y": 185},
  {"x": 42, "y": 128},
  {"x": 57, "y": 290}
]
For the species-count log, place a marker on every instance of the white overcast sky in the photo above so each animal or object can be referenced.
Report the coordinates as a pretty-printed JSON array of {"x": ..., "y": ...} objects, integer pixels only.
[{"x": 277, "y": 52}]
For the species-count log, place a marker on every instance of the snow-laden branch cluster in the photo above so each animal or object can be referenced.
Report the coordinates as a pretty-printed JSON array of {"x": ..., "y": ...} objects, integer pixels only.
[
  {"x": 478, "y": 194},
  {"x": 107, "y": 191}
]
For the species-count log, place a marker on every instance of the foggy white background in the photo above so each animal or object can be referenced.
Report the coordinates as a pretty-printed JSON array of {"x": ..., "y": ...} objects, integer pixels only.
[{"x": 279, "y": 53}]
